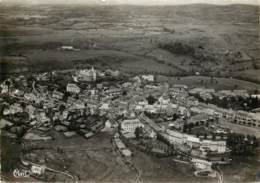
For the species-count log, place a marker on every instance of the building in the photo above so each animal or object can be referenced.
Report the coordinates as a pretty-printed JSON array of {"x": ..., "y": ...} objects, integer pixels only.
[
  {"x": 30, "y": 110},
  {"x": 248, "y": 119},
  {"x": 218, "y": 147},
  {"x": 48, "y": 104},
  {"x": 178, "y": 138},
  {"x": 43, "y": 76},
  {"x": 17, "y": 92},
  {"x": 178, "y": 90},
  {"x": 113, "y": 92},
  {"x": 200, "y": 164},
  {"x": 104, "y": 107},
  {"x": 164, "y": 100},
  {"x": 4, "y": 88},
  {"x": 42, "y": 117},
  {"x": 30, "y": 96},
  {"x": 4, "y": 123},
  {"x": 70, "y": 48},
  {"x": 129, "y": 125},
  {"x": 149, "y": 132},
  {"x": 148, "y": 78},
  {"x": 243, "y": 118},
  {"x": 13, "y": 109},
  {"x": 255, "y": 119},
  {"x": 78, "y": 104},
  {"x": 37, "y": 169},
  {"x": 203, "y": 93},
  {"x": 64, "y": 115},
  {"x": 110, "y": 72},
  {"x": 119, "y": 144},
  {"x": 57, "y": 95},
  {"x": 72, "y": 88},
  {"x": 137, "y": 80},
  {"x": 87, "y": 75},
  {"x": 121, "y": 147},
  {"x": 174, "y": 137},
  {"x": 228, "y": 114},
  {"x": 126, "y": 152}
]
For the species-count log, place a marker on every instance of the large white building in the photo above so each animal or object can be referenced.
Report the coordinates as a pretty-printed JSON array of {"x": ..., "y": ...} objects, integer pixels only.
[
  {"x": 129, "y": 125},
  {"x": 88, "y": 75},
  {"x": 201, "y": 164},
  {"x": 214, "y": 146},
  {"x": 148, "y": 77},
  {"x": 246, "y": 118},
  {"x": 72, "y": 88},
  {"x": 178, "y": 138}
]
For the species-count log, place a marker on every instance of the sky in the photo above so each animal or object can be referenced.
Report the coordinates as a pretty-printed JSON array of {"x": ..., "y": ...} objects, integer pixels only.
[{"x": 138, "y": 2}]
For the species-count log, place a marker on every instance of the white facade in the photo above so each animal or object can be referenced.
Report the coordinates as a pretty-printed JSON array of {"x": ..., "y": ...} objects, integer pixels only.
[
  {"x": 57, "y": 95},
  {"x": 214, "y": 146},
  {"x": 249, "y": 119},
  {"x": 148, "y": 77},
  {"x": 72, "y": 88},
  {"x": 129, "y": 125},
  {"x": 15, "y": 108},
  {"x": 37, "y": 169},
  {"x": 201, "y": 164},
  {"x": 88, "y": 75},
  {"x": 175, "y": 137}
]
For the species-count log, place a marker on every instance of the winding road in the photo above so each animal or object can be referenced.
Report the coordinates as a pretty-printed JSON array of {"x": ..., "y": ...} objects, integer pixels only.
[{"x": 220, "y": 175}]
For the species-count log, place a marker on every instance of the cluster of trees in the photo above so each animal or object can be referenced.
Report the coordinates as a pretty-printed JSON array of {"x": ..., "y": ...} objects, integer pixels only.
[
  {"x": 185, "y": 49},
  {"x": 178, "y": 48},
  {"x": 246, "y": 104},
  {"x": 187, "y": 128},
  {"x": 151, "y": 100},
  {"x": 241, "y": 144},
  {"x": 10, "y": 155},
  {"x": 148, "y": 149},
  {"x": 238, "y": 103},
  {"x": 138, "y": 132}
]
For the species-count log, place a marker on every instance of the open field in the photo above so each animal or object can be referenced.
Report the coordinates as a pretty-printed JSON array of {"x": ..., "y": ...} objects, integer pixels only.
[
  {"x": 217, "y": 83},
  {"x": 165, "y": 170},
  {"x": 224, "y": 40},
  {"x": 242, "y": 170},
  {"x": 90, "y": 160}
]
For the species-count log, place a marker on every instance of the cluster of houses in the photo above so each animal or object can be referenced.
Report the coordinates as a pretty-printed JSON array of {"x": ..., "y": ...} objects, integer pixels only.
[
  {"x": 85, "y": 108},
  {"x": 200, "y": 150}
]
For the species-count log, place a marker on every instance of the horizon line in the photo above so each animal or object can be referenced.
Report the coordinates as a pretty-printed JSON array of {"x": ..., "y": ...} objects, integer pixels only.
[
  {"x": 135, "y": 3},
  {"x": 127, "y": 4}
]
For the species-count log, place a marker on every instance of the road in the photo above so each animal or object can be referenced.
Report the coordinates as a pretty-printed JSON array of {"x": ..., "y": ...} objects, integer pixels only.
[
  {"x": 127, "y": 162},
  {"x": 220, "y": 175},
  {"x": 139, "y": 174},
  {"x": 82, "y": 148}
]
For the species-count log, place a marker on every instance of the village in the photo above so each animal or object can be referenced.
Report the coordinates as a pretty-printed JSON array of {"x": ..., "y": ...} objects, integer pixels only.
[{"x": 160, "y": 119}]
